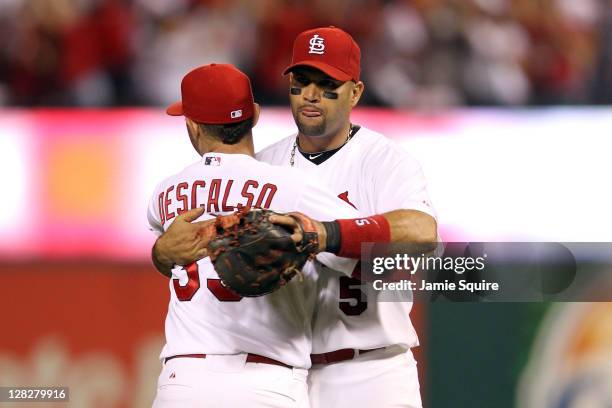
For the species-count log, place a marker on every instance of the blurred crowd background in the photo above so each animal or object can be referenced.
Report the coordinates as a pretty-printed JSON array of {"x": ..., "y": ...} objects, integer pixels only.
[{"x": 415, "y": 53}]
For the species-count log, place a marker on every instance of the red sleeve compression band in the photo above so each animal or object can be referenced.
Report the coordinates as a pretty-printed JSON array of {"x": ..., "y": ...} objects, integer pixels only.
[{"x": 355, "y": 231}]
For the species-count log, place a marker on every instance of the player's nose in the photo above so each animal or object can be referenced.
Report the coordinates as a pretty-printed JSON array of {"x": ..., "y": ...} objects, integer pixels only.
[{"x": 312, "y": 93}]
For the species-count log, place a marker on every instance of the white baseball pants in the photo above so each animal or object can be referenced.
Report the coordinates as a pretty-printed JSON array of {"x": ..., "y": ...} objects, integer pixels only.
[
  {"x": 221, "y": 381},
  {"x": 383, "y": 378}
]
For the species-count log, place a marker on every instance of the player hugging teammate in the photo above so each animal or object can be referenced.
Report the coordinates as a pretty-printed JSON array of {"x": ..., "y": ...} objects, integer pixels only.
[{"x": 223, "y": 350}]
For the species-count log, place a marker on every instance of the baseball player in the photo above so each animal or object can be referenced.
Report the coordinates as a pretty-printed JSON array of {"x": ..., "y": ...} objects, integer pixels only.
[
  {"x": 223, "y": 350},
  {"x": 361, "y": 349}
]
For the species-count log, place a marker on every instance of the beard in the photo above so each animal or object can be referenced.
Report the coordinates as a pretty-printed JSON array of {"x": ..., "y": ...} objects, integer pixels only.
[{"x": 317, "y": 130}]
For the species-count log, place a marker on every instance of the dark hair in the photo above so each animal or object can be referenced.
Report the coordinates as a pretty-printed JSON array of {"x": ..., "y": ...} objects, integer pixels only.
[{"x": 230, "y": 133}]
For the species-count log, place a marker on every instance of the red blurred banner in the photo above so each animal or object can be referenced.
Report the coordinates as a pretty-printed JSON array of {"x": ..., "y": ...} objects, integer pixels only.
[{"x": 96, "y": 328}]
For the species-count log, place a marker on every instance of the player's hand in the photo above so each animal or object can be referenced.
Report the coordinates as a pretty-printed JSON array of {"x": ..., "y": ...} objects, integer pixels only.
[
  {"x": 185, "y": 241},
  {"x": 296, "y": 230}
]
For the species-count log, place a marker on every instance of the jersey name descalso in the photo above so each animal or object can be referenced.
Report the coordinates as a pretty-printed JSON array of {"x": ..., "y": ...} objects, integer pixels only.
[{"x": 213, "y": 195}]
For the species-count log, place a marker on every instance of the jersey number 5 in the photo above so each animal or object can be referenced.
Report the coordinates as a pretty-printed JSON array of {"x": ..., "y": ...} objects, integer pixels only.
[
  {"x": 185, "y": 293},
  {"x": 351, "y": 296}
]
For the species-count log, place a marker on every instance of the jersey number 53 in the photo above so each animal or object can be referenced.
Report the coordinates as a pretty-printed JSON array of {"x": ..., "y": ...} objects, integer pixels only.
[{"x": 185, "y": 293}]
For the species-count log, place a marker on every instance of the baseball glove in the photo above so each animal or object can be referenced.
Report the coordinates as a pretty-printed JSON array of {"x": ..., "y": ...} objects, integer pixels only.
[{"x": 254, "y": 257}]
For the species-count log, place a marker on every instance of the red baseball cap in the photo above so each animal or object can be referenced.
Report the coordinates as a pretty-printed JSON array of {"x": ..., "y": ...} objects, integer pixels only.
[
  {"x": 328, "y": 49},
  {"x": 215, "y": 94}
]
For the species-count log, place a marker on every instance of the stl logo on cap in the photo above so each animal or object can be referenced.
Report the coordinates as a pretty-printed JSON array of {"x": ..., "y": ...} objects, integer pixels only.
[
  {"x": 328, "y": 49},
  {"x": 316, "y": 45}
]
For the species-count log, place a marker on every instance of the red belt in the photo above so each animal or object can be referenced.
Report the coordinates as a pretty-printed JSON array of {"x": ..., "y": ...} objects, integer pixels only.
[
  {"x": 251, "y": 358},
  {"x": 338, "y": 355}
]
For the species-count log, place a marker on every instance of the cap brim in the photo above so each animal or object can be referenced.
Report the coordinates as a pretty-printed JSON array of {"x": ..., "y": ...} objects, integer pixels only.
[
  {"x": 321, "y": 66},
  {"x": 176, "y": 109}
]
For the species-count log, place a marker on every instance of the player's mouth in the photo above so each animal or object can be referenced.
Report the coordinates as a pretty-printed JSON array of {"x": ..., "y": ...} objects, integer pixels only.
[{"x": 310, "y": 112}]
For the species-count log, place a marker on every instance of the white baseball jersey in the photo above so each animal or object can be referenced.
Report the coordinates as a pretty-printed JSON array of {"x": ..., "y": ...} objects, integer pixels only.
[
  {"x": 374, "y": 175},
  {"x": 203, "y": 316}
]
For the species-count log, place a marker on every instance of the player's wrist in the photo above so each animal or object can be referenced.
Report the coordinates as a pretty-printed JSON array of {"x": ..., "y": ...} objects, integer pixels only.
[
  {"x": 159, "y": 254},
  {"x": 353, "y": 232},
  {"x": 332, "y": 236},
  {"x": 321, "y": 236}
]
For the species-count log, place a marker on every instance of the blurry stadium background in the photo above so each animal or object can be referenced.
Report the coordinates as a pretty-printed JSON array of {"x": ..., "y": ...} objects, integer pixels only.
[{"x": 496, "y": 98}]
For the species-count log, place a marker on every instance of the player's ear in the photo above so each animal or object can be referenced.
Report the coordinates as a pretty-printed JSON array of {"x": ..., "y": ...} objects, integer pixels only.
[
  {"x": 191, "y": 126},
  {"x": 190, "y": 123},
  {"x": 193, "y": 129},
  {"x": 356, "y": 93},
  {"x": 257, "y": 110}
]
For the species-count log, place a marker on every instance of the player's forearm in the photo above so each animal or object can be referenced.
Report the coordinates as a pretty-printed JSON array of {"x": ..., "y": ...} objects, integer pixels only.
[
  {"x": 412, "y": 226},
  {"x": 184, "y": 242},
  {"x": 344, "y": 237},
  {"x": 162, "y": 263}
]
